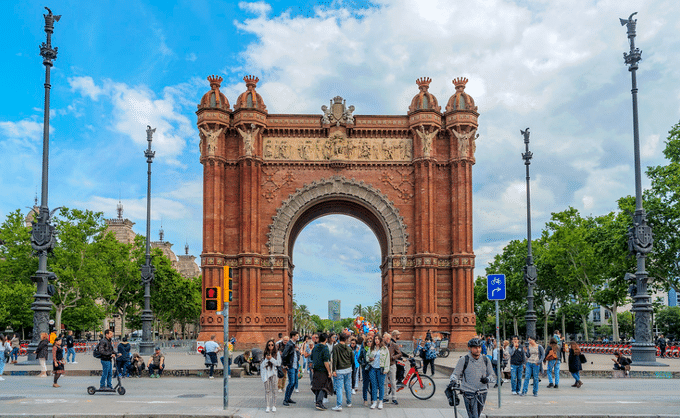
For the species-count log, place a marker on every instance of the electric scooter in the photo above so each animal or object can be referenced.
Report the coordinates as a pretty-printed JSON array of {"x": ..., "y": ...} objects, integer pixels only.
[{"x": 118, "y": 388}]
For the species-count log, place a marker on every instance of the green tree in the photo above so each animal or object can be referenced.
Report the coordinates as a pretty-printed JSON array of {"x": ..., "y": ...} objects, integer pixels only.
[
  {"x": 79, "y": 260},
  {"x": 626, "y": 327},
  {"x": 358, "y": 310},
  {"x": 668, "y": 320}
]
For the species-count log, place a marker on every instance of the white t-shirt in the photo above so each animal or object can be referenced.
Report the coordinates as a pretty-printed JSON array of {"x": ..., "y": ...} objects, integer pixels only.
[{"x": 211, "y": 347}]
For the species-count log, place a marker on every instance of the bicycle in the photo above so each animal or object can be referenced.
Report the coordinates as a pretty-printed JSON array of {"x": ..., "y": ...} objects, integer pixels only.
[
  {"x": 421, "y": 386},
  {"x": 453, "y": 390}
]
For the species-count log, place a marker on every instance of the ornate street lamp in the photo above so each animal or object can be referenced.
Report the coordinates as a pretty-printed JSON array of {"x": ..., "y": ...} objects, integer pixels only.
[
  {"x": 43, "y": 235},
  {"x": 530, "y": 275},
  {"x": 146, "y": 345},
  {"x": 640, "y": 237}
]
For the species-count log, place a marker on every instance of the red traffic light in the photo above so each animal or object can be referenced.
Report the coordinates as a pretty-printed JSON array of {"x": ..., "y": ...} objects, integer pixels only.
[{"x": 211, "y": 293}]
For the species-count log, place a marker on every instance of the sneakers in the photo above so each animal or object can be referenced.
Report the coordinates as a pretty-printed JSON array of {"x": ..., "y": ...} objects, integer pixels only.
[
  {"x": 285, "y": 403},
  {"x": 556, "y": 387},
  {"x": 273, "y": 409},
  {"x": 523, "y": 394},
  {"x": 337, "y": 408},
  {"x": 320, "y": 407},
  {"x": 551, "y": 386},
  {"x": 535, "y": 395},
  {"x": 267, "y": 410},
  {"x": 74, "y": 362},
  {"x": 380, "y": 405},
  {"x": 354, "y": 391},
  {"x": 280, "y": 391},
  {"x": 394, "y": 401},
  {"x": 374, "y": 404},
  {"x": 514, "y": 393},
  {"x": 349, "y": 405},
  {"x": 297, "y": 390},
  {"x": 291, "y": 401},
  {"x": 211, "y": 377}
]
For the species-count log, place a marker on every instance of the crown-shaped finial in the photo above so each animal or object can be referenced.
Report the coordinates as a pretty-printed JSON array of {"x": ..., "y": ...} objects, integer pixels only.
[
  {"x": 215, "y": 81},
  {"x": 337, "y": 100},
  {"x": 460, "y": 82},
  {"x": 424, "y": 82},
  {"x": 251, "y": 80}
]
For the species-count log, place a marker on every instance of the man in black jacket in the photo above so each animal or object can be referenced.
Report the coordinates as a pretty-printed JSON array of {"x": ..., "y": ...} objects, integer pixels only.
[
  {"x": 290, "y": 359},
  {"x": 106, "y": 351}
]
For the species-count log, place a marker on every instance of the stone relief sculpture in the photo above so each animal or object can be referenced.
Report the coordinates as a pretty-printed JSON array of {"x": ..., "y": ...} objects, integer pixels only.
[
  {"x": 465, "y": 140},
  {"x": 349, "y": 117},
  {"x": 249, "y": 138},
  {"x": 210, "y": 139},
  {"x": 326, "y": 118},
  {"x": 426, "y": 139},
  {"x": 338, "y": 146},
  {"x": 337, "y": 113}
]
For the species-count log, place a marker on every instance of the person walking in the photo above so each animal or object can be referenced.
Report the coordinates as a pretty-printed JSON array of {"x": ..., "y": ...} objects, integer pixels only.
[
  {"x": 271, "y": 359},
  {"x": 506, "y": 361},
  {"x": 70, "y": 348},
  {"x": 14, "y": 355},
  {"x": 552, "y": 356},
  {"x": 365, "y": 367},
  {"x": 575, "y": 359},
  {"x": 2, "y": 357},
  {"x": 428, "y": 354},
  {"x": 123, "y": 357},
  {"x": 517, "y": 361},
  {"x": 395, "y": 354},
  {"x": 41, "y": 353},
  {"x": 473, "y": 373},
  {"x": 281, "y": 345},
  {"x": 355, "y": 345},
  {"x": 379, "y": 362},
  {"x": 562, "y": 345},
  {"x": 290, "y": 360},
  {"x": 534, "y": 354},
  {"x": 341, "y": 369},
  {"x": 211, "y": 350},
  {"x": 321, "y": 362},
  {"x": 106, "y": 352},
  {"x": 661, "y": 342},
  {"x": 57, "y": 361}
]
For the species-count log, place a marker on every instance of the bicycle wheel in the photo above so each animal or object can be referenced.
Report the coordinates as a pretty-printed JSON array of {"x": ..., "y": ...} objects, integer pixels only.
[
  {"x": 444, "y": 352},
  {"x": 424, "y": 391}
]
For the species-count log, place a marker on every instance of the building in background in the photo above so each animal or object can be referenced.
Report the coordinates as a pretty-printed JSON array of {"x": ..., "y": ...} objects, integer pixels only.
[{"x": 334, "y": 310}]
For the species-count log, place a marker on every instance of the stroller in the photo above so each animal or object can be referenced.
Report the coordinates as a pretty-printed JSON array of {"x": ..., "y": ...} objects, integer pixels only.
[{"x": 91, "y": 390}]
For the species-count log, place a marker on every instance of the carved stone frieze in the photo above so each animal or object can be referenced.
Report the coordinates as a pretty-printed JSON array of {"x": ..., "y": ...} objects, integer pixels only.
[
  {"x": 341, "y": 187},
  {"x": 338, "y": 147}
]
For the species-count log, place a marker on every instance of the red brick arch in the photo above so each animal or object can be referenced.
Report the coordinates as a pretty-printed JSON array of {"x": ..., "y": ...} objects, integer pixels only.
[{"x": 408, "y": 177}]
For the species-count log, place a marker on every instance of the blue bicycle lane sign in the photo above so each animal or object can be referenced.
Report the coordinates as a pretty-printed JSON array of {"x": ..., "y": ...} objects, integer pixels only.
[{"x": 495, "y": 287}]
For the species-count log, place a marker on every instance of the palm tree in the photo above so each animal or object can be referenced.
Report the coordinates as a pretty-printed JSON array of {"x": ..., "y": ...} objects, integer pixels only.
[{"x": 359, "y": 310}]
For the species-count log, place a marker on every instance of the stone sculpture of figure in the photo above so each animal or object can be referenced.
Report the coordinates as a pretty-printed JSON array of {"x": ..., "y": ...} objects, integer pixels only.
[
  {"x": 248, "y": 138},
  {"x": 464, "y": 140},
  {"x": 211, "y": 140},
  {"x": 326, "y": 118},
  {"x": 426, "y": 139},
  {"x": 349, "y": 117}
]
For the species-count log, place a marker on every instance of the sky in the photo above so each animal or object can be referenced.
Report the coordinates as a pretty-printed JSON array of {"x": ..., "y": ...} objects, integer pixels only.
[{"x": 554, "y": 66}]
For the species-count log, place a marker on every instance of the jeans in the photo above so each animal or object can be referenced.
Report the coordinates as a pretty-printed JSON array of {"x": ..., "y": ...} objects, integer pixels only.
[
  {"x": 72, "y": 353},
  {"x": 431, "y": 363},
  {"x": 122, "y": 366},
  {"x": 297, "y": 381},
  {"x": 577, "y": 376},
  {"x": 554, "y": 367},
  {"x": 532, "y": 370},
  {"x": 474, "y": 403},
  {"x": 377, "y": 383},
  {"x": 292, "y": 379},
  {"x": 365, "y": 383},
  {"x": 516, "y": 377},
  {"x": 341, "y": 381},
  {"x": 14, "y": 355},
  {"x": 153, "y": 367},
  {"x": 2, "y": 363},
  {"x": 107, "y": 373}
]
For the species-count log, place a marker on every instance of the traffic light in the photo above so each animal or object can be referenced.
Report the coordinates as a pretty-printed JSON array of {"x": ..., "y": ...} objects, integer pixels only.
[
  {"x": 213, "y": 299},
  {"x": 228, "y": 277}
]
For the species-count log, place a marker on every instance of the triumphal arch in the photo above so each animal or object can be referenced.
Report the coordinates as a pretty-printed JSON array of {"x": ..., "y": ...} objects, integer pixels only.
[{"x": 408, "y": 177}]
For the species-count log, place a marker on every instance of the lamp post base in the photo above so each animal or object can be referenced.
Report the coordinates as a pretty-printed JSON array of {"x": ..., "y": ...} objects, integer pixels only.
[
  {"x": 644, "y": 355},
  {"x": 146, "y": 348}
]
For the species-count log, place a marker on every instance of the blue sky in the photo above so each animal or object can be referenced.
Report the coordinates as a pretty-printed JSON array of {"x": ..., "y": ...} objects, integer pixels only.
[{"x": 554, "y": 66}]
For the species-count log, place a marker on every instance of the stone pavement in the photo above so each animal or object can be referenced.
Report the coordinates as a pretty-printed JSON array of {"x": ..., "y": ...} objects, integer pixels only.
[{"x": 182, "y": 396}]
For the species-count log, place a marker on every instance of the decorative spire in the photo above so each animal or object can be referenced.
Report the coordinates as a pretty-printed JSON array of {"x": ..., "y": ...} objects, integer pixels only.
[
  {"x": 424, "y": 83},
  {"x": 460, "y": 83},
  {"x": 161, "y": 233},
  {"x": 119, "y": 209},
  {"x": 186, "y": 248},
  {"x": 251, "y": 81},
  {"x": 215, "y": 81}
]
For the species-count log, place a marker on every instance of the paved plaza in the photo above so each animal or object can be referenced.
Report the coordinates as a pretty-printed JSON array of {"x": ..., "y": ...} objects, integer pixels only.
[{"x": 173, "y": 395}]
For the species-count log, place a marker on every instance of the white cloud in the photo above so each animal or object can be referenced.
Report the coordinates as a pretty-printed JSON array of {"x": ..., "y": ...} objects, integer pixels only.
[
  {"x": 259, "y": 7},
  {"x": 135, "y": 108},
  {"x": 135, "y": 209},
  {"x": 191, "y": 57}
]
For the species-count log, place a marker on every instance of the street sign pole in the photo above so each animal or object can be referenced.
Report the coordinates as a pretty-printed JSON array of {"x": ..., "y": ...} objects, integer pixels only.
[
  {"x": 225, "y": 364},
  {"x": 499, "y": 360},
  {"x": 495, "y": 290}
]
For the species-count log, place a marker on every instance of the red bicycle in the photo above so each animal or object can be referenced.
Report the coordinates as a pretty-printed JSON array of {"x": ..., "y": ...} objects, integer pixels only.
[{"x": 421, "y": 386}]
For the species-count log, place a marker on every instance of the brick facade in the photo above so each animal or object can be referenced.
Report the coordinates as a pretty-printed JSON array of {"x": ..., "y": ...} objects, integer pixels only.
[{"x": 408, "y": 177}]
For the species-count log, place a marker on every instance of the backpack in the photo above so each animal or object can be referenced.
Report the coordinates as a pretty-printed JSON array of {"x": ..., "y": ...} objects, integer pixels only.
[
  {"x": 96, "y": 353},
  {"x": 431, "y": 352}
]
